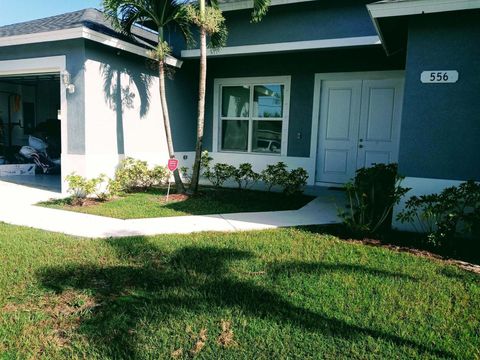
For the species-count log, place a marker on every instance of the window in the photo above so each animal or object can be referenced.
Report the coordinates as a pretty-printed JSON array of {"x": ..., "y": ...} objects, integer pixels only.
[{"x": 252, "y": 115}]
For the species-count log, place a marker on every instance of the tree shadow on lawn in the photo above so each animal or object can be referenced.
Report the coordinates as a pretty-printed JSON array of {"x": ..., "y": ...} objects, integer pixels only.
[{"x": 197, "y": 280}]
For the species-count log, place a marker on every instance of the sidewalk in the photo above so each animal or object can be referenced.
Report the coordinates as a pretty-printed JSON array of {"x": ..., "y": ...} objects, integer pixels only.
[{"x": 17, "y": 208}]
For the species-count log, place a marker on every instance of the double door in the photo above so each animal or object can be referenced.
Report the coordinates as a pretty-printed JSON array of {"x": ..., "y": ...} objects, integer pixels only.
[{"x": 359, "y": 126}]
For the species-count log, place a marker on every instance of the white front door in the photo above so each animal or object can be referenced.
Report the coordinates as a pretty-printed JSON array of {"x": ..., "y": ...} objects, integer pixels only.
[{"x": 359, "y": 126}]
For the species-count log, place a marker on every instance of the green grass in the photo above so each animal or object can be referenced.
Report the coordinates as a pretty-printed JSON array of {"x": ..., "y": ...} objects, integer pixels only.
[
  {"x": 288, "y": 294},
  {"x": 210, "y": 201}
]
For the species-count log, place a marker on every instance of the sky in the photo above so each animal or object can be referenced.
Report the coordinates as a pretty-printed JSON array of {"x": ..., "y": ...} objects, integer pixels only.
[{"x": 24, "y": 10}]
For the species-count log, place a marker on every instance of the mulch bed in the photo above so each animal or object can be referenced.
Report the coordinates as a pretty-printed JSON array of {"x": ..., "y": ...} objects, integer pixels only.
[{"x": 175, "y": 197}]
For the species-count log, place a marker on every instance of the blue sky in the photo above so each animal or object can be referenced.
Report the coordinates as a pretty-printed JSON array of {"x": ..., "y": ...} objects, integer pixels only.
[{"x": 25, "y": 10}]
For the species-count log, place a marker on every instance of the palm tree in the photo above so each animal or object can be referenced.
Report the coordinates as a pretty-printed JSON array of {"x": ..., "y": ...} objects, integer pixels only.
[
  {"x": 207, "y": 16},
  {"x": 158, "y": 15}
]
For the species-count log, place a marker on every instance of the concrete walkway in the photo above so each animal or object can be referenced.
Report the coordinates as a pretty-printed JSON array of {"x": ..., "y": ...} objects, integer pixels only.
[{"x": 17, "y": 208}]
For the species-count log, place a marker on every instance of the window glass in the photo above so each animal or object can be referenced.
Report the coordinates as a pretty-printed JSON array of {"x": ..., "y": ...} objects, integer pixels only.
[
  {"x": 268, "y": 101},
  {"x": 267, "y": 136},
  {"x": 235, "y": 101},
  {"x": 235, "y": 135}
]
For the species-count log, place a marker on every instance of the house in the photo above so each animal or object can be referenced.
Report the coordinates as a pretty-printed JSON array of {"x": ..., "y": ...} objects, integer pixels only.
[
  {"x": 330, "y": 86},
  {"x": 333, "y": 86},
  {"x": 93, "y": 90}
]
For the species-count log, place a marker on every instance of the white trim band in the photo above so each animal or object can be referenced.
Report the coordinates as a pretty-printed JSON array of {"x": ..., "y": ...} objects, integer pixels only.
[
  {"x": 82, "y": 33},
  {"x": 33, "y": 66},
  {"x": 417, "y": 7},
  {"x": 287, "y": 46}
]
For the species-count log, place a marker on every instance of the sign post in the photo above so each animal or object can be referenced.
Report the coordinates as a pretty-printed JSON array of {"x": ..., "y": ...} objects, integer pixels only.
[{"x": 172, "y": 166}]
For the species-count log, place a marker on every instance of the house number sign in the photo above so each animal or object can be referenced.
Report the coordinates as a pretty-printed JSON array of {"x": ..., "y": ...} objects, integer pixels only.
[{"x": 439, "y": 77}]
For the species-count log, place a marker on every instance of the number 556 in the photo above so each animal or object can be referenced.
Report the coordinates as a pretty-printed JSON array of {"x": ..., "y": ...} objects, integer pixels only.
[{"x": 438, "y": 76}]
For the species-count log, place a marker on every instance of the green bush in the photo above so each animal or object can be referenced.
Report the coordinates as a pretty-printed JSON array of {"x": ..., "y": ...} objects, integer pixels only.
[
  {"x": 372, "y": 195},
  {"x": 217, "y": 174},
  {"x": 82, "y": 188},
  {"x": 275, "y": 175},
  {"x": 295, "y": 181},
  {"x": 278, "y": 175},
  {"x": 186, "y": 175},
  {"x": 132, "y": 175},
  {"x": 444, "y": 217},
  {"x": 245, "y": 176}
]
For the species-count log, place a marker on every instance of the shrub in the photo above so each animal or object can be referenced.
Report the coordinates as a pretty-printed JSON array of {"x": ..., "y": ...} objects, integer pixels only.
[
  {"x": 372, "y": 195},
  {"x": 295, "y": 181},
  {"x": 453, "y": 213},
  {"x": 186, "y": 176},
  {"x": 81, "y": 188},
  {"x": 275, "y": 175},
  {"x": 134, "y": 174},
  {"x": 205, "y": 160},
  {"x": 245, "y": 176},
  {"x": 219, "y": 173},
  {"x": 158, "y": 176}
]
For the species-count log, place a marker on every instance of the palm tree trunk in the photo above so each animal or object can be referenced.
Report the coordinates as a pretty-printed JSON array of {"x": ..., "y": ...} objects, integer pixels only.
[
  {"x": 201, "y": 110},
  {"x": 166, "y": 123}
]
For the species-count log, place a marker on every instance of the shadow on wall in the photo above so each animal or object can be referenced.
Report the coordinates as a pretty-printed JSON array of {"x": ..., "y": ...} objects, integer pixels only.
[
  {"x": 119, "y": 95},
  {"x": 150, "y": 285}
]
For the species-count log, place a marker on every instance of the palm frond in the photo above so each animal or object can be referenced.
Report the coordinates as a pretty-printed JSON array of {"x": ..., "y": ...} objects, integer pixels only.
[{"x": 260, "y": 8}]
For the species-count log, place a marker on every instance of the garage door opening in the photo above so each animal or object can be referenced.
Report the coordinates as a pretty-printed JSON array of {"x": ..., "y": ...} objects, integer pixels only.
[{"x": 30, "y": 131}]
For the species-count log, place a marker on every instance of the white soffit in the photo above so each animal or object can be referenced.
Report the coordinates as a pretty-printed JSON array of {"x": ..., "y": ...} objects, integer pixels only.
[
  {"x": 79, "y": 33},
  {"x": 286, "y": 46},
  {"x": 417, "y": 7}
]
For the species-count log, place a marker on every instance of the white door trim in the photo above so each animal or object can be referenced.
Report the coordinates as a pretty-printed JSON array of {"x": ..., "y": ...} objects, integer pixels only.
[
  {"x": 41, "y": 65},
  {"x": 317, "y": 91}
]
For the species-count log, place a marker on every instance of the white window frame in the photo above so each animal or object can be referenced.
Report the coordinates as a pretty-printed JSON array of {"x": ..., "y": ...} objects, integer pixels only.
[{"x": 251, "y": 81}]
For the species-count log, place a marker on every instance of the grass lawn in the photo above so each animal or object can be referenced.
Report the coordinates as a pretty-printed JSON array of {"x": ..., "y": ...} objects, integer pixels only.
[
  {"x": 210, "y": 201},
  {"x": 288, "y": 293}
]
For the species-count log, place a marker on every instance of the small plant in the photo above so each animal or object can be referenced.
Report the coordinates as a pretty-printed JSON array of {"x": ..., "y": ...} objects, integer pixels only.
[
  {"x": 217, "y": 174},
  {"x": 206, "y": 160},
  {"x": 372, "y": 195},
  {"x": 245, "y": 176},
  {"x": 132, "y": 175},
  {"x": 158, "y": 176},
  {"x": 275, "y": 175},
  {"x": 444, "y": 217},
  {"x": 82, "y": 188},
  {"x": 114, "y": 188},
  {"x": 186, "y": 175},
  {"x": 295, "y": 181}
]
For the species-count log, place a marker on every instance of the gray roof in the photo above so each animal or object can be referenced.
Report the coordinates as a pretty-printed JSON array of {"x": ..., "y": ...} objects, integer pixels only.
[{"x": 91, "y": 18}]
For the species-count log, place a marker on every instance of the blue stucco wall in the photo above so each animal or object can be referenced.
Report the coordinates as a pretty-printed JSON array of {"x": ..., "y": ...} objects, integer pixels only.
[
  {"x": 182, "y": 96},
  {"x": 301, "y": 67},
  {"x": 302, "y": 21},
  {"x": 441, "y": 122},
  {"x": 74, "y": 51}
]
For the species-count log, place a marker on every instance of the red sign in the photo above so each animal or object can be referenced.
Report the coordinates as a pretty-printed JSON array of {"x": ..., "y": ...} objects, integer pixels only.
[{"x": 172, "y": 164}]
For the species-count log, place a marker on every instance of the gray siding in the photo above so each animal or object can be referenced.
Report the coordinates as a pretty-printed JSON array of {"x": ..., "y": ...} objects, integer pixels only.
[
  {"x": 302, "y": 68},
  {"x": 441, "y": 122},
  {"x": 75, "y": 54}
]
